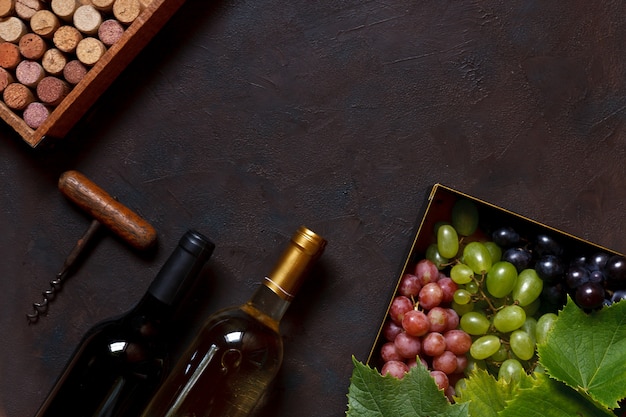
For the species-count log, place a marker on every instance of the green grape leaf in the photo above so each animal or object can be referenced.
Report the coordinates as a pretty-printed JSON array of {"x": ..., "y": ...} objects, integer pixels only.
[
  {"x": 586, "y": 352},
  {"x": 550, "y": 398},
  {"x": 487, "y": 396},
  {"x": 416, "y": 395}
]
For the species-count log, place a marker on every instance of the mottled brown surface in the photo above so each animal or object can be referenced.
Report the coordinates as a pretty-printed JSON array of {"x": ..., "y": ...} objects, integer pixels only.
[{"x": 245, "y": 119}]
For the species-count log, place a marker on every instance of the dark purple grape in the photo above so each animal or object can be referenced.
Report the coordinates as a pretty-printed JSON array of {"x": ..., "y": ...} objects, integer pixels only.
[
  {"x": 590, "y": 295},
  {"x": 550, "y": 268},
  {"x": 615, "y": 272},
  {"x": 546, "y": 245},
  {"x": 554, "y": 296},
  {"x": 596, "y": 276},
  {"x": 519, "y": 257},
  {"x": 597, "y": 261},
  {"x": 576, "y": 276},
  {"x": 505, "y": 237},
  {"x": 618, "y": 295},
  {"x": 578, "y": 261}
]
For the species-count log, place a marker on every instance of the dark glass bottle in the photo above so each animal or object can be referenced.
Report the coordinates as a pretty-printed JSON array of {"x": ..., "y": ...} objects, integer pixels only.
[
  {"x": 228, "y": 367},
  {"x": 120, "y": 362}
]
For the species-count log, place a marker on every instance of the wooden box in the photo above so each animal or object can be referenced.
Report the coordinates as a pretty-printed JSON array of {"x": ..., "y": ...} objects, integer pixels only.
[{"x": 98, "y": 78}]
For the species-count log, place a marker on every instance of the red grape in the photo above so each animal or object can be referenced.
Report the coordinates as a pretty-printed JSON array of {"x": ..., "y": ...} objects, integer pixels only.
[
  {"x": 416, "y": 323},
  {"x": 438, "y": 318},
  {"x": 391, "y": 329},
  {"x": 441, "y": 379},
  {"x": 457, "y": 341},
  {"x": 446, "y": 362},
  {"x": 430, "y": 295},
  {"x": 409, "y": 285},
  {"x": 426, "y": 271},
  {"x": 389, "y": 352},
  {"x": 408, "y": 346},
  {"x": 395, "y": 368},
  {"x": 399, "y": 306},
  {"x": 453, "y": 319},
  {"x": 433, "y": 344},
  {"x": 449, "y": 287}
]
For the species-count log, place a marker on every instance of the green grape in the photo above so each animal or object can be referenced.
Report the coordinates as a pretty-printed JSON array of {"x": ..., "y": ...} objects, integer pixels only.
[
  {"x": 509, "y": 318},
  {"x": 501, "y": 279},
  {"x": 545, "y": 324},
  {"x": 465, "y": 217},
  {"x": 501, "y": 355},
  {"x": 522, "y": 345},
  {"x": 447, "y": 241},
  {"x": 527, "y": 288},
  {"x": 532, "y": 308},
  {"x": 438, "y": 225},
  {"x": 494, "y": 251},
  {"x": 485, "y": 346},
  {"x": 472, "y": 287},
  {"x": 462, "y": 296},
  {"x": 433, "y": 255},
  {"x": 511, "y": 370},
  {"x": 462, "y": 309},
  {"x": 473, "y": 364},
  {"x": 461, "y": 274},
  {"x": 530, "y": 327},
  {"x": 477, "y": 257},
  {"x": 474, "y": 323}
]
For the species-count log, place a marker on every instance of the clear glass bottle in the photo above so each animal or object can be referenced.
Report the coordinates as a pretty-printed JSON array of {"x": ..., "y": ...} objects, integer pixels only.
[
  {"x": 227, "y": 368},
  {"x": 120, "y": 362}
]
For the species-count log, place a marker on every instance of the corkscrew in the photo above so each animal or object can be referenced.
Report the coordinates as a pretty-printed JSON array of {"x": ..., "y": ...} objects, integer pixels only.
[{"x": 106, "y": 211}]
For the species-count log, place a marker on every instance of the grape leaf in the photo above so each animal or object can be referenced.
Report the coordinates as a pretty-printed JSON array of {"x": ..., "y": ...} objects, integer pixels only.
[
  {"x": 550, "y": 398},
  {"x": 586, "y": 352},
  {"x": 487, "y": 396},
  {"x": 416, "y": 395}
]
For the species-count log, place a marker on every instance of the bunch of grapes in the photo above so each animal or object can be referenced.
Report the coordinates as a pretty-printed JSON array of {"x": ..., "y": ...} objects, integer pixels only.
[
  {"x": 426, "y": 330},
  {"x": 486, "y": 300}
]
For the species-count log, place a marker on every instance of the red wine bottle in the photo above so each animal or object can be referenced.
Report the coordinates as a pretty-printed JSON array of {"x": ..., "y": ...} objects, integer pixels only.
[{"x": 120, "y": 362}]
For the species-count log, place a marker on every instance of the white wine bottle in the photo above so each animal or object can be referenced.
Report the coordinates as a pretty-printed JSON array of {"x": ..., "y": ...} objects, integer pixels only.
[
  {"x": 227, "y": 368},
  {"x": 120, "y": 362}
]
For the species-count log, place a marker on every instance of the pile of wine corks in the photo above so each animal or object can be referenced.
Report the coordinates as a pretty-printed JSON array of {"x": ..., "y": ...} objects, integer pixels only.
[{"x": 47, "y": 47}]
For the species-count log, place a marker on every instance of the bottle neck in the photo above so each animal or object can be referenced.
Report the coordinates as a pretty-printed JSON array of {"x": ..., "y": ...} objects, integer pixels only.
[{"x": 267, "y": 307}]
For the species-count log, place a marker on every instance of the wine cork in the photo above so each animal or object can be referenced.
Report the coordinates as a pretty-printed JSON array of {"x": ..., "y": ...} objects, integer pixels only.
[
  {"x": 87, "y": 19},
  {"x": 64, "y": 8},
  {"x": 52, "y": 90},
  {"x": 6, "y": 7},
  {"x": 145, "y": 3},
  {"x": 35, "y": 114},
  {"x": 29, "y": 73},
  {"x": 53, "y": 61},
  {"x": 103, "y": 5},
  {"x": 126, "y": 11},
  {"x": 5, "y": 79},
  {"x": 110, "y": 31},
  {"x": 12, "y": 29},
  {"x": 17, "y": 96},
  {"x": 66, "y": 38},
  {"x": 32, "y": 46},
  {"x": 25, "y": 9},
  {"x": 90, "y": 50},
  {"x": 44, "y": 23},
  {"x": 74, "y": 71},
  {"x": 9, "y": 55}
]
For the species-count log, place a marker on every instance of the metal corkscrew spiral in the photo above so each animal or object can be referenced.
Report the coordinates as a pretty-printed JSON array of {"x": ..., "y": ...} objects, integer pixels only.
[{"x": 106, "y": 211}]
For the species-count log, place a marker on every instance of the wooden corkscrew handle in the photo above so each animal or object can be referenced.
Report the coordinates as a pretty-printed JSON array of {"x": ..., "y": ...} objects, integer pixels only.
[{"x": 111, "y": 213}]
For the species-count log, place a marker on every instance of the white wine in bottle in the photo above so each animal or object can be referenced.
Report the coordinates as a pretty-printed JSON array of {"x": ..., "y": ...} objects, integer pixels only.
[{"x": 237, "y": 353}]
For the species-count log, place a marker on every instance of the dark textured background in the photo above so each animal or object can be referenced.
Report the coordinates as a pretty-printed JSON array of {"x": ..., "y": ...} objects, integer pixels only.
[{"x": 245, "y": 119}]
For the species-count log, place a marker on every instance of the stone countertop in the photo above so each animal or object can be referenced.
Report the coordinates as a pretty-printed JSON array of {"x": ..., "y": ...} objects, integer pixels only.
[{"x": 246, "y": 119}]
